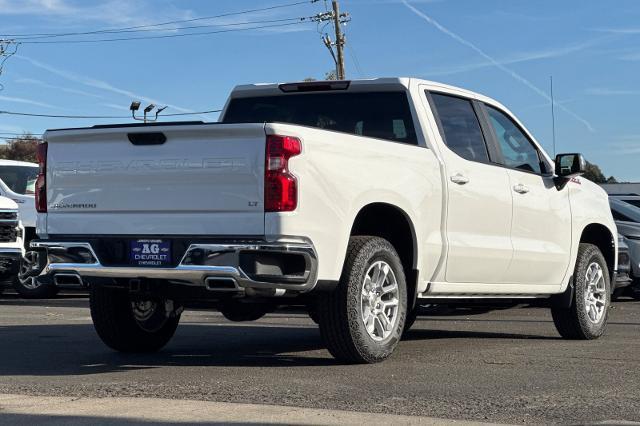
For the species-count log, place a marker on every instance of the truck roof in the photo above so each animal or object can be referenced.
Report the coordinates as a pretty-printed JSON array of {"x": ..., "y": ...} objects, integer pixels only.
[{"x": 386, "y": 83}]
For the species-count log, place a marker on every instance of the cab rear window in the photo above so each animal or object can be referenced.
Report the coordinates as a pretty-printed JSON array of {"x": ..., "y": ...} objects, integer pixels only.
[{"x": 383, "y": 115}]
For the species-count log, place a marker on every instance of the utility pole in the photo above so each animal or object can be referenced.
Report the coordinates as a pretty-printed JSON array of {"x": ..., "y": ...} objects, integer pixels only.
[
  {"x": 339, "y": 41},
  {"x": 338, "y": 18}
]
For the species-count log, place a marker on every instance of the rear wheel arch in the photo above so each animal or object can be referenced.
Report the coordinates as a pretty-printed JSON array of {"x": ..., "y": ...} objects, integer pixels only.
[{"x": 394, "y": 225}]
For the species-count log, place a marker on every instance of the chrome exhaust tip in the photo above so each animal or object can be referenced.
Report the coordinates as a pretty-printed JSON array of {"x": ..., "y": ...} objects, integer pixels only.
[
  {"x": 223, "y": 284},
  {"x": 67, "y": 279}
]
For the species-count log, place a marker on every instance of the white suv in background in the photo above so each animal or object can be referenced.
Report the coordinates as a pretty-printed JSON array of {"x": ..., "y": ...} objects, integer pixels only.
[
  {"x": 11, "y": 242},
  {"x": 17, "y": 182}
]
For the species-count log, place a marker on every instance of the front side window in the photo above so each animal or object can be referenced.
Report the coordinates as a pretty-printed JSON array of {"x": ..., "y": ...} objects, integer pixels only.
[
  {"x": 460, "y": 127},
  {"x": 518, "y": 151}
]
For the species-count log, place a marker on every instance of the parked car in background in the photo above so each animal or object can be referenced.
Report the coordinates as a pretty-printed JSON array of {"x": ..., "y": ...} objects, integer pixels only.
[
  {"x": 633, "y": 199},
  {"x": 363, "y": 198},
  {"x": 11, "y": 242},
  {"x": 627, "y": 217},
  {"x": 17, "y": 182},
  {"x": 623, "y": 279}
]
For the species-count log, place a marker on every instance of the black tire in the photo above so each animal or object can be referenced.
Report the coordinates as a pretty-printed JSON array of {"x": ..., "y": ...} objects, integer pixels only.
[
  {"x": 340, "y": 312},
  {"x": 241, "y": 312},
  {"x": 115, "y": 323},
  {"x": 574, "y": 322},
  {"x": 312, "y": 310},
  {"x": 28, "y": 284}
]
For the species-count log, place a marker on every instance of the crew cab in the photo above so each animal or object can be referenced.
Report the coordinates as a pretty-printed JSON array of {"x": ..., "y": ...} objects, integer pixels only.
[{"x": 358, "y": 199}]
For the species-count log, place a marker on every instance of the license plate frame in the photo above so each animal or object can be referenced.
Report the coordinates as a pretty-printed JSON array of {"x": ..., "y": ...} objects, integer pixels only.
[{"x": 150, "y": 253}]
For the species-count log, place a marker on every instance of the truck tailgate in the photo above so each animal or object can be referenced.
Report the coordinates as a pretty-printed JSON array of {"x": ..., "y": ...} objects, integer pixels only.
[{"x": 204, "y": 179}]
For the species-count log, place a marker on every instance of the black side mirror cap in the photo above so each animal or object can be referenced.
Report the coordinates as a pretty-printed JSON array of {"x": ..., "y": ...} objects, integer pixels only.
[{"x": 570, "y": 165}]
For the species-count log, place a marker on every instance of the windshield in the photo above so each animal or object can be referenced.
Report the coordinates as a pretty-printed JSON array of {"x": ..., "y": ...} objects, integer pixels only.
[
  {"x": 20, "y": 179},
  {"x": 624, "y": 211},
  {"x": 383, "y": 115}
]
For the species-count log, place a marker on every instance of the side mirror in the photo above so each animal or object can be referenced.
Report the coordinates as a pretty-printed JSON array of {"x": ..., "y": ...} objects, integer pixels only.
[{"x": 569, "y": 165}]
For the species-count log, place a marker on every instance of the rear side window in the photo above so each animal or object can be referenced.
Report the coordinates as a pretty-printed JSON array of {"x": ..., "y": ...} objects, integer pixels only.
[
  {"x": 461, "y": 128},
  {"x": 383, "y": 115},
  {"x": 518, "y": 151}
]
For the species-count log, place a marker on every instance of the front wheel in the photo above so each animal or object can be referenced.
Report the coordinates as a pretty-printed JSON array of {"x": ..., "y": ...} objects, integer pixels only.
[
  {"x": 362, "y": 320},
  {"x": 132, "y": 325},
  {"x": 587, "y": 317}
]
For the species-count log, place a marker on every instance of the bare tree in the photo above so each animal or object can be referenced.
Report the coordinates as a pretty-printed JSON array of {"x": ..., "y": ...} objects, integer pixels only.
[{"x": 22, "y": 148}]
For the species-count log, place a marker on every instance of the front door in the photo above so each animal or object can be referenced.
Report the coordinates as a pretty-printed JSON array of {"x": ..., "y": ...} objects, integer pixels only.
[{"x": 541, "y": 226}]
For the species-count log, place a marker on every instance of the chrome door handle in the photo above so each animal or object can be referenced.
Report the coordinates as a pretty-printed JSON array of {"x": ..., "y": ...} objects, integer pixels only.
[
  {"x": 521, "y": 189},
  {"x": 459, "y": 179}
]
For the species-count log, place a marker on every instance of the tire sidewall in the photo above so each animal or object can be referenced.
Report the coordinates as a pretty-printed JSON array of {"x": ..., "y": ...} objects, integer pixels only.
[
  {"x": 590, "y": 255},
  {"x": 374, "y": 251}
]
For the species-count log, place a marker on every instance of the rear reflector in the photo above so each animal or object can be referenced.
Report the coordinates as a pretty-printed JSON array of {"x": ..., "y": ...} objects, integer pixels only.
[{"x": 280, "y": 186}]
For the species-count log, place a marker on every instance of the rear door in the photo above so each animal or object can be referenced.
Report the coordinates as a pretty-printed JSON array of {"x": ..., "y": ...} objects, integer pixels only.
[
  {"x": 192, "y": 179},
  {"x": 541, "y": 226},
  {"x": 479, "y": 203}
]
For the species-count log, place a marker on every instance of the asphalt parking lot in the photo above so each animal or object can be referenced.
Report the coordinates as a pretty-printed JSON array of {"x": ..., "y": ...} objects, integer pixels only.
[{"x": 506, "y": 366}]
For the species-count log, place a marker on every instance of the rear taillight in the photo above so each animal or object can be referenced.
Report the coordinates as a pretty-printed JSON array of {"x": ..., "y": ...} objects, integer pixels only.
[
  {"x": 280, "y": 186},
  {"x": 41, "y": 181}
]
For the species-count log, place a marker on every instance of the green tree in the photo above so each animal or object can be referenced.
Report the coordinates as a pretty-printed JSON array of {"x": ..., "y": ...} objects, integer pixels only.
[
  {"x": 22, "y": 148},
  {"x": 594, "y": 174}
]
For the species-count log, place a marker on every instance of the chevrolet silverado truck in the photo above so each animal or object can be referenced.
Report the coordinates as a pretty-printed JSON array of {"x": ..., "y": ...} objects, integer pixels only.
[{"x": 358, "y": 199}]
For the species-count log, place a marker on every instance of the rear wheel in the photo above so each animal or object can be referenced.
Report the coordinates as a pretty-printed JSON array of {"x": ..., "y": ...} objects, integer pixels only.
[
  {"x": 29, "y": 284},
  {"x": 132, "y": 325},
  {"x": 587, "y": 317},
  {"x": 362, "y": 320}
]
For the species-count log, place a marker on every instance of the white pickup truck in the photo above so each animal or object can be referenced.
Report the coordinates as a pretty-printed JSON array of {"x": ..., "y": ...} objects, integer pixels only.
[{"x": 359, "y": 199}]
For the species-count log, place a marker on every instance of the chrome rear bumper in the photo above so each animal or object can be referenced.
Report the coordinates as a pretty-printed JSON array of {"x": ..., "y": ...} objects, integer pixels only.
[{"x": 200, "y": 265}]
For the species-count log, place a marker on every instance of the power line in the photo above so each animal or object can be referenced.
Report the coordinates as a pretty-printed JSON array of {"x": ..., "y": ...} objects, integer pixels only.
[
  {"x": 302, "y": 21},
  {"x": 191, "y": 27},
  {"x": 337, "y": 19},
  {"x": 28, "y": 114},
  {"x": 352, "y": 53},
  {"x": 180, "y": 21}
]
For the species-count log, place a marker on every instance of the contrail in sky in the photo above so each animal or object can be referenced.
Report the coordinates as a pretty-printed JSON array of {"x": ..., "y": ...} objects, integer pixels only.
[{"x": 496, "y": 63}]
